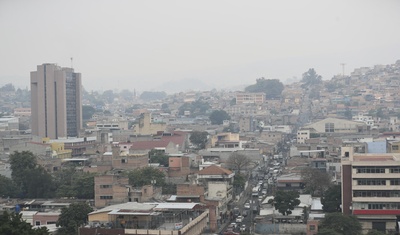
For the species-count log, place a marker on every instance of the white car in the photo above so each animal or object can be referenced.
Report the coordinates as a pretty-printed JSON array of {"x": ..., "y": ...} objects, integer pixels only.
[
  {"x": 243, "y": 228},
  {"x": 247, "y": 205},
  {"x": 239, "y": 219}
]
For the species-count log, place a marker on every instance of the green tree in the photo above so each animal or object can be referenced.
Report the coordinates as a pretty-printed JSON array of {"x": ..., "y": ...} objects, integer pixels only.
[
  {"x": 238, "y": 161},
  {"x": 218, "y": 116},
  {"x": 13, "y": 224},
  {"x": 143, "y": 176},
  {"x": 239, "y": 181},
  {"x": 31, "y": 179},
  {"x": 231, "y": 128},
  {"x": 8, "y": 87},
  {"x": 39, "y": 183},
  {"x": 285, "y": 201},
  {"x": 375, "y": 232},
  {"x": 87, "y": 112},
  {"x": 271, "y": 87},
  {"x": 340, "y": 224},
  {"x": 316, "y": 181},
  {"x": 311, "y": 78},
  {"x": 153, "y": 95},
  {"x": 73, "y": 183},
  {"x": 157, "y": 157},
  {"x": 196, "y": 108},
  {"x": 348, "y": 114},
  {"x": 126, "y": 94},
  {"x": 7, "y": 187},
  {"x": 165, "y": 107},
  {"x": 332, "y": 199},
  {"x": 326, "y": 231},
  {"x": 108, "y": 95},
  {"x": 84, "y": 185},
  {"x": 169, "y": 189},
  {"x": 72, "y": 217},
  {"x": 199, "y": 138}
]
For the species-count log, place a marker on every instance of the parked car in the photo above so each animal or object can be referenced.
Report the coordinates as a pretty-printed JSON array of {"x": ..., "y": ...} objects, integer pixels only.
[
  {"x": 243, "y": 228},
  {"x": 244, "y": 213},
  {"x": 247, "y": 205},
  {"x": 239, "y": 219}
]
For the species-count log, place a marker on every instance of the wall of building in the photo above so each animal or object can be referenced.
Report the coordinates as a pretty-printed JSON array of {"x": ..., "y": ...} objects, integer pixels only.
[{"x": 111, "y": 186}]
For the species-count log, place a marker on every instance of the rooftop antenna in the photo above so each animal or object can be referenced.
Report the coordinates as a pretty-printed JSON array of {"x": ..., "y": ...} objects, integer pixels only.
[
  {"x": 343, "y": 64},
  {"x": 71, "y": 62}
]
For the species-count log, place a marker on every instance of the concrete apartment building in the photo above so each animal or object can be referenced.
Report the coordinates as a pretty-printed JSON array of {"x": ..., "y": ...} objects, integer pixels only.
[
  {"x": 147, "y": 127},
  {"x": 250, "y": 98},
  {"x": 371, "y": 190},
  {"x": 56, "y": 102}
]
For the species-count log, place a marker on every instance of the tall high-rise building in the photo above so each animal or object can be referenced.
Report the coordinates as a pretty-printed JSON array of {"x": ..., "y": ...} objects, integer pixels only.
[{"x": 56, "y": 102}]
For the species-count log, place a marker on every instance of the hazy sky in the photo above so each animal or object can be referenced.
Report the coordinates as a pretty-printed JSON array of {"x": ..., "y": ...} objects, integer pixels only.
[{"x": 143, "y": 44}]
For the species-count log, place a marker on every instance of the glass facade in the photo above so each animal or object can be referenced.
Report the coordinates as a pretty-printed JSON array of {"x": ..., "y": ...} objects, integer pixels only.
[{"x": 71, "y": 103}]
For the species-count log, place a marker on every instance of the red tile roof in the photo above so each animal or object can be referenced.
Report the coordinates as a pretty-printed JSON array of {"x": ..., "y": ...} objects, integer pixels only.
[{"x": 214, "y": 170}]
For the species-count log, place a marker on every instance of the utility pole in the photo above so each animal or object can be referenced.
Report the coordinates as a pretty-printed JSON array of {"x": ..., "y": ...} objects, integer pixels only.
[
  {"x": 343, "y": 65},
  {"x": 71, "y": 63}
]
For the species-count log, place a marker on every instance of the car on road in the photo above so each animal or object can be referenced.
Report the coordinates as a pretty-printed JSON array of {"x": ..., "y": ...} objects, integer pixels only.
[
  {"x": 243, "y": 228},
  {"x": 244, "y": 213},
  {"x": 239, "y": 219},
  {"x": 232, "y": 225},
  {"x": 264, "y": 192},
  {"x": 247, "y": 205},
  {"x": 236, "y": 211}
]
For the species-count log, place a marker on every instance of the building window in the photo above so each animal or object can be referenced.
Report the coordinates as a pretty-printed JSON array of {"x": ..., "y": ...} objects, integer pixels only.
[
  {"x": 312, "y": 227},
  {"x": 395, "y": 147},
  {"x": 106, "y": 197},
  {"x": 371, "y": 182},
  {"x": 123, "y": 161},
  {"x": 105, "y": 186},
  {"x": 370, "y": 169},
  {"x": 395, "y": 182},
  {"x": 37, "y": 223},
  {"x": 395, "y": 170},
  {"x": 329, "y": 127}
]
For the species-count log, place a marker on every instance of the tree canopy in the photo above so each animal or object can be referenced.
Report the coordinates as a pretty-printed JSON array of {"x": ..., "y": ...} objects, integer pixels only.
[
  {"x": 332, "y": 199},
  {"x": 340, "y": 224},
  {"x": 73, "y": 183},
  {"x": 285, "y": 201},
  {"x": 72, "y": 217},
  {"x": 31, "y": 179},
  {"x": 7, "y": 187},
  {"x": 199, "y": 138},
  {"x": 217, "y": 117},
  {"x": 311, "y": 78},
  {"x": 271, "y": 87},
  {"x": 316, "y": 181},
  {"x": 157, "y": 157},
  {"x": 87, "y": 112},
  {"x": 238, "y": 161},
  {"x": 196, "y": 108},
  {"x": 143, "y": 176},
  {"x": 8, "y": 87},
  {"x": 153, "y": 95},
  {"x": 13, "y": 224}
]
